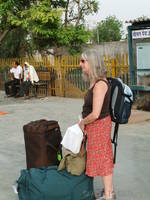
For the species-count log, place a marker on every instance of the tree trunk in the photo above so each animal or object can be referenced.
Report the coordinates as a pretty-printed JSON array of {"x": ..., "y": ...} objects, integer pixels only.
[
  {"x": 66, "y": 13},
  {"x": 2, "y": 36},
  {"x": 79, "y": 13}
]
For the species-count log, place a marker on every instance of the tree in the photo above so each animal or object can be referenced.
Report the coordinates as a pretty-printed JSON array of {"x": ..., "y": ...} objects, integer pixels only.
[
  {"x": 50, "y": 29},
  {"x": 15, "y": 44},
  {"x": 40, "y": 22},
  {"x": 12, "y": 36},
  {"x": 108, "y": 30},
  {"x": 76, "y": 10},
  {"x": 37, "y": 21},
  {"x": 9, "y": 10}
]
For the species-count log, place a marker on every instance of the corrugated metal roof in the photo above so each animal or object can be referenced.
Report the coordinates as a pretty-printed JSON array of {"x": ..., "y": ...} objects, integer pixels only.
[{"x": 139, "y": 20}]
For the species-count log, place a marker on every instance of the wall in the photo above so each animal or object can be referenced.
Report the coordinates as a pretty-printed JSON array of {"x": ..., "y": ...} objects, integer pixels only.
[{"x": 111, "y": 48}]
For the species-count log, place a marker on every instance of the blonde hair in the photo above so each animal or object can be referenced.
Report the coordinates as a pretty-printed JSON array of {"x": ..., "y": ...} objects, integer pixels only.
[{"x": 96, "y": 63}]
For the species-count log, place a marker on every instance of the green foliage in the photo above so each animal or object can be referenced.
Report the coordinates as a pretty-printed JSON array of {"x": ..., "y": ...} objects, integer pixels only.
[
  {"x": 70, "y": 36},
  {"x": 108, "y": 30},
  {"x": 77, "y": 10},
  {"x": 74, "y": 37},
  {"x": 5, "y": 9},
  {"x": 36, "y": 19},
  {"x": 38, "y": 25},
  {"x": 15, "y": 44},
  {"x": 39, "y": 19}
]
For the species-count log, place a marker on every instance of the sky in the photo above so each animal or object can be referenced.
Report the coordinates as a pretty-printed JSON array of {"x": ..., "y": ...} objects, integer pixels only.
[{"x": 124, "y": 10}]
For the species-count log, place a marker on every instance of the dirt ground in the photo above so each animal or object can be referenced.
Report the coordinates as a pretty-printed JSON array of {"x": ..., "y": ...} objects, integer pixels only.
[
  {"x": 131, "y": 172},
  {"x": 139, "y": 116}
]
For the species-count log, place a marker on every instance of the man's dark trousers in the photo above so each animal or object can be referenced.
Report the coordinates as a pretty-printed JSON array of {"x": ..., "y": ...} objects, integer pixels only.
[
  {"x": 10, "y": 87},
  {"x": 24, "y": 88}
]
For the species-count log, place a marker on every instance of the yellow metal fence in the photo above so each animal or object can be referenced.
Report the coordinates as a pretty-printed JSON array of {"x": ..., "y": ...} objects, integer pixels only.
[{"x": 65, "y": 73}]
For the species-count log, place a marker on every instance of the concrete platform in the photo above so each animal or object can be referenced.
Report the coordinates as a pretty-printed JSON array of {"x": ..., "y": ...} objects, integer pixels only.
[{"x": 132, "y": 170}]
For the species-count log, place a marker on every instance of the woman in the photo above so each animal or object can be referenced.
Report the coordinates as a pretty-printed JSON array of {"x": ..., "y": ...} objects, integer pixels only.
[{"x": 97, "y": 122}]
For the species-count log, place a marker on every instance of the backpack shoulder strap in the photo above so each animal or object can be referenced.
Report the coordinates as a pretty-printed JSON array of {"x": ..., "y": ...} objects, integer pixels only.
[
  {"x": 114, "y": 140},
  {"x": 102, "y": 80},
  {"x": 98, "y": 81},
  {"x": 107, "y": 83}
]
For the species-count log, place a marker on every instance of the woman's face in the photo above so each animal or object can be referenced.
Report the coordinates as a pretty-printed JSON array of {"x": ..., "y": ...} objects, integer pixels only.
[{"x": 85, "y": 66}]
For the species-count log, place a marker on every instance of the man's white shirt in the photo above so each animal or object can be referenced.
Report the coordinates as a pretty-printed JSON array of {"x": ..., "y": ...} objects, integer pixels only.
[{"x": 16, "y": 71}]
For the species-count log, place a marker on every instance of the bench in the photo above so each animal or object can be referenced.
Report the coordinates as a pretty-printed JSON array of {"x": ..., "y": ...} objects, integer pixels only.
[
  {"x": 47, "y": 79},
  {"x": 43, "y": 83},
  {"x": 17, "y": 88},
  {"x": 140, "y": 88}
]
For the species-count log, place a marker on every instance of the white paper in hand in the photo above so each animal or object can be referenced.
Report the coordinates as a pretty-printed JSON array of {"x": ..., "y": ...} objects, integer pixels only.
[{"x": 73, "y": 138}]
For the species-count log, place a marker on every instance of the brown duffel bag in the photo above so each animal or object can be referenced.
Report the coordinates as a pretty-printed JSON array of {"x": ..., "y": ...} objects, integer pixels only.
[{"x": 42, "y": 143}]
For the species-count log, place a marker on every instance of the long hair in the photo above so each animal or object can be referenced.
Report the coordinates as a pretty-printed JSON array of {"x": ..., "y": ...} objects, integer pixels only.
[{"x": 96, "y": 63}]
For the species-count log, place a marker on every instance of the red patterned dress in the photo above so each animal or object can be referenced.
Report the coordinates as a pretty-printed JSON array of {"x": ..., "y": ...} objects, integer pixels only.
[{"x": 99, "y": 148}]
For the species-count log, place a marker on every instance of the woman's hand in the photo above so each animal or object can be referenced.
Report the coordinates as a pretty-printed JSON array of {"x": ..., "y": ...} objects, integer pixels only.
[{"x": 81, "y": 125}]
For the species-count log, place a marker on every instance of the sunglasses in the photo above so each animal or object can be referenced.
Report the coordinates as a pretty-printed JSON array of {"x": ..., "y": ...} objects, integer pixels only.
[{"x": 82, "y": 60}]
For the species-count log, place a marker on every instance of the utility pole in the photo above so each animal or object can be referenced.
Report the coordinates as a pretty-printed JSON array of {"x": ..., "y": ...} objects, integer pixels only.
[
  {"x": 97, "y": 32},
  {"x": 97, "y": 35}
]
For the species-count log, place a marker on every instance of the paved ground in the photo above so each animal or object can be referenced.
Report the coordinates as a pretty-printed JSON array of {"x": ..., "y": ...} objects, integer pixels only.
[{"x": 132, "y": 171}]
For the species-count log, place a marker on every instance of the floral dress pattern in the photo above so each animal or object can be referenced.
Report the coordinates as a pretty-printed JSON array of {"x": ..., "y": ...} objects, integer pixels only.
[{"x": 99, "y": 148}]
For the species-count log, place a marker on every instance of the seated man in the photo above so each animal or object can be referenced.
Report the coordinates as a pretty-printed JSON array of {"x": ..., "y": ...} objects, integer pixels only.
[
  {"x": 30, "y": 76},
  {"x": 15, "y": 76}
]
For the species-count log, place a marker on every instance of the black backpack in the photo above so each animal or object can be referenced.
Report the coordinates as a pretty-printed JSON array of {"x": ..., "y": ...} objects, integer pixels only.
[{"x": 120, "y": 106}]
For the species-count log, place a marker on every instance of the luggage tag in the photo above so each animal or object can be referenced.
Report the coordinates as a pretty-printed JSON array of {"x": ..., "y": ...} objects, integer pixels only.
[{"x": 59, "y": 156}]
